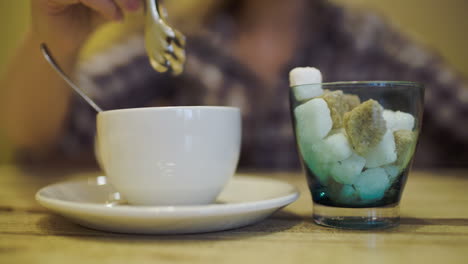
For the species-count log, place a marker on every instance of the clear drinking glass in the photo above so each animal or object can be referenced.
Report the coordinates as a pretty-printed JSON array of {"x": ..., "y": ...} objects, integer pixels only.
[{"x": 356, "y": 141}]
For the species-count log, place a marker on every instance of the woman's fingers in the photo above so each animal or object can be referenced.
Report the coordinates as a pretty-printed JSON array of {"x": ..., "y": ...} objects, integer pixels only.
[
  {"x": 129, "y": 5},
  {"x": 108, "y": 8}
]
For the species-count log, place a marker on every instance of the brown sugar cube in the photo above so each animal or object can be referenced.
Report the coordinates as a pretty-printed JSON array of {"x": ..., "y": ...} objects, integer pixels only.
[
  {"x": 404, "y": 143},
  {"x": 336, "y": 103},
  {"x": 351, "y": 101},
  {"x": 365, "y": 126},
  {"x": 339, "y": 103}
]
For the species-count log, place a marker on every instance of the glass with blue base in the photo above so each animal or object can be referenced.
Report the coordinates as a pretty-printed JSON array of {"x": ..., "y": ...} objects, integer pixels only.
[{"x": 356, "y": 142}]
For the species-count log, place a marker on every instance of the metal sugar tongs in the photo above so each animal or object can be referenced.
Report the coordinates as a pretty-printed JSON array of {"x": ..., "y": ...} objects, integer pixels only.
[{"x": 165, "y": 45}]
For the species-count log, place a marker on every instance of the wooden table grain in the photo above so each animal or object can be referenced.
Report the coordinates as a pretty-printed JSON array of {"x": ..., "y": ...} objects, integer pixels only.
[{"x": 434, "y": 228}]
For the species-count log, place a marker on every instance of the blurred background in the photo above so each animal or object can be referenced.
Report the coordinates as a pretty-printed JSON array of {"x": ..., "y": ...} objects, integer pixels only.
[{"x": 441, "y": 25}]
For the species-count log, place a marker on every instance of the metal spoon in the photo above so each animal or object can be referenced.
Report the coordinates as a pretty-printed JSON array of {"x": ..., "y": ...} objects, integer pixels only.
[{"x": 50, "y": 59}]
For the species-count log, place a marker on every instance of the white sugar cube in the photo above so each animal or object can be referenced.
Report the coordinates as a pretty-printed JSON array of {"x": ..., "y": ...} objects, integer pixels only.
[
  {"x": 372, "y": 184},
  {"x": 348, "y": 195},
  {"x": 303, "y": 77},
  {"x": 321, "y": 172},
  {"x": 313, "y": 121},
  {"x": 347, "y": 171},
  {"x": 333, "y": 148},
  {"x": 312, "y": 161},
  {"x": 307, "y": 91},
  {"x": 383, "y": 153},
  {"x": 392, "y": 172},
  {"x": 398, "y": 120}
]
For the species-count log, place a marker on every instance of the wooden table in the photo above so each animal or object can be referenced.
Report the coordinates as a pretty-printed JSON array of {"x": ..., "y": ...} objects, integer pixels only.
[{"x": 434, "y": 228}]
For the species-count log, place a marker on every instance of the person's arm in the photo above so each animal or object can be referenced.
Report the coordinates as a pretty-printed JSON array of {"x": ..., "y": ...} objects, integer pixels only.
[
  {"x": 34, "y": 101},
  {"x": 34, "y": 98}
]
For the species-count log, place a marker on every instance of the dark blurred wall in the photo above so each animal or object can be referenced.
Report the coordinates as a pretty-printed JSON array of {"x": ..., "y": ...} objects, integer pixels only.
[{"x": 440, "y": 24}]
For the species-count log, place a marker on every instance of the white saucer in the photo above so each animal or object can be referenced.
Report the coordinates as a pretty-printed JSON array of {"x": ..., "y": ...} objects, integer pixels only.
[{"x": 95, "y": 204}]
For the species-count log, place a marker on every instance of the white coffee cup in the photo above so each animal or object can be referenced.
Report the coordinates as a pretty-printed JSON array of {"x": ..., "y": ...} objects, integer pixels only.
[{"x": 169, "y": 155}]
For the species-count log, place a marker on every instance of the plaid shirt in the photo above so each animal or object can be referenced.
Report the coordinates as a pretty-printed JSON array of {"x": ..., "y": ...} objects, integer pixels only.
[{"x": 344, "y": 45}]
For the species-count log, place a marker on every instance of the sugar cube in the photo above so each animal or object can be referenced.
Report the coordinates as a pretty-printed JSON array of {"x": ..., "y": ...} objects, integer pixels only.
[
  {"x": 305, "y": 82},
  {"x": 336, "y": 103},
  {"x": 319, "y": 169},
  {"x": 383, "y": 153},
  {"x": 339, "y": 103},
  {"x": 333, "y": 148},
  {"x": 321, "y": 172},
  {"x": 347, "y": 171},
  {"x": 398, "y": 120},
  {"x": 372, "y": 184},
  {"x": 304, "y": 75},
  {"x": 348, "y": 195},
  {"x": 365, "y": 126},
  {"x": 405, "y": 144},
  {"x": 352, "y": 101},
  {"x": 307, "y": 91},
  {"x": 392, "y": 172},
  {"x": 313, "y": 121}
]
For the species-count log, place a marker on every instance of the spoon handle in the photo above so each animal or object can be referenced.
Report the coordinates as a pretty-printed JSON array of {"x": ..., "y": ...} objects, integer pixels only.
[{"x": 50, "y": 59}]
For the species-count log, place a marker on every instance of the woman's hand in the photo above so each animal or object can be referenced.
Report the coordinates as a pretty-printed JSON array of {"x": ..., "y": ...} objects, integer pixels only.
[
  {"x": 66, "y": 24},
  {"x": 40, "y": 102}
]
